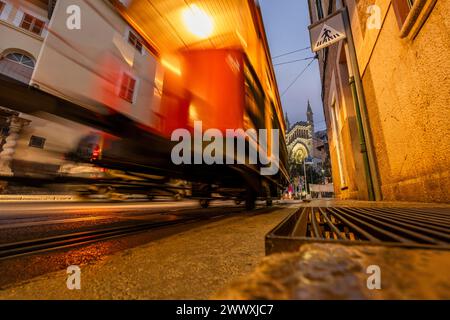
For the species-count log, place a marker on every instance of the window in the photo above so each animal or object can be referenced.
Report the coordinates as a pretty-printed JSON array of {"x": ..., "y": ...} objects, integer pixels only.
[
  {"x": 32, "y": 24},
  {"x": 135, "y": 41},
  {"x": 127, "y": 87},
  {"x": 319, "y": 9},
  {"x": 412, "y": 15},
  {"x": 2, "y": 6},
  {"x": 37, "y": 142},
  {"x": 402, "y": 9},
  {"x": 21, "y": 59}
]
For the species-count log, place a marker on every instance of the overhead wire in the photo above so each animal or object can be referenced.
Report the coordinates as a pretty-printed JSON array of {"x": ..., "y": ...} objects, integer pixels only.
[
  {"x": 296, "y": 78},
  {"x": 292, "y": 61},
  {"x": 291, "y": 52}
]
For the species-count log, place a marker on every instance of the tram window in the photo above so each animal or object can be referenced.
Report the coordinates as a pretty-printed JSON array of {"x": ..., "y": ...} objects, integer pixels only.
[{"x": 127, "y": 87}]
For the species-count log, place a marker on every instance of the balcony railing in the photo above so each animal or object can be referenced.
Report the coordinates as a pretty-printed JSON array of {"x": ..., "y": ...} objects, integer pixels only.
[{"x": 16, "y": 71}]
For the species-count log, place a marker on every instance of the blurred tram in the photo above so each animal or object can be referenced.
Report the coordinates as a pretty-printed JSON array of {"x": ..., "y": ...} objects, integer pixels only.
[{"x": 156, "y": 66}]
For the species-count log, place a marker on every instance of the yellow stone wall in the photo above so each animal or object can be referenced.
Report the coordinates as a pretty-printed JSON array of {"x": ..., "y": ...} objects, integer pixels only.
[{"x": 407, "y": 88}]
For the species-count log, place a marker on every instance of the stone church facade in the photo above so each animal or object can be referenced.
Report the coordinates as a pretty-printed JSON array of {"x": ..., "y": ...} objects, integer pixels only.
[{"x": 299, "y": 138}]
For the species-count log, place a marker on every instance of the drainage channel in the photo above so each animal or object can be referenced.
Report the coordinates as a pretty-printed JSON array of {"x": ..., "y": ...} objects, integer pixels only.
[{"x": 403, "y": 227}]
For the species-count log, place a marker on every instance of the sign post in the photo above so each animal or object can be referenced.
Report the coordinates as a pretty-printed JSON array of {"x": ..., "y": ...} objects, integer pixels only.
[{"x": 323, "y": 33}]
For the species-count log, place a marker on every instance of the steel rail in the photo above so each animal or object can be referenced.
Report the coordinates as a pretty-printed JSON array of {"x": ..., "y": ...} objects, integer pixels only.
[
  {"x": 353, "y": 226},
  {"x": 371, "y": 226},
  {"x": 330, "y": 224},
  {"x": 412, "y": 223},
  {"x": 427, "y": 214},
  {"x": 16, "y": 249},
  {"x": 397, "y": 228},
  {"x": 316, "y": 230},
  {"x": 429, "y": 222}
]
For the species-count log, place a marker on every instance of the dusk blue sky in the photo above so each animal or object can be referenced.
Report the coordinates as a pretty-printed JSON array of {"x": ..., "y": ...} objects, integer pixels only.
[{"x": 286, "y": 23}]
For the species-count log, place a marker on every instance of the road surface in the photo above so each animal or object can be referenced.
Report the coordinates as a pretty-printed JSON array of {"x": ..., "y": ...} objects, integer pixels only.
[{"x": 30, "y": 221}]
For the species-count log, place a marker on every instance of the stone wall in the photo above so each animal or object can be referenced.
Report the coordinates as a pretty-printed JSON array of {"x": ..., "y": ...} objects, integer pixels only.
[{"x": 407, "y": 89}]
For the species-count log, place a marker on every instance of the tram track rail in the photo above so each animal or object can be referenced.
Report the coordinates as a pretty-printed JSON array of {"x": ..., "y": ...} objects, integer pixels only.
[{"x": 82, "y": 238}]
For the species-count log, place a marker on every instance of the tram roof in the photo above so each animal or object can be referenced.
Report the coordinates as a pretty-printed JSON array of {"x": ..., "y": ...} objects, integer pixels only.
[{"x": 171, "y": 26}]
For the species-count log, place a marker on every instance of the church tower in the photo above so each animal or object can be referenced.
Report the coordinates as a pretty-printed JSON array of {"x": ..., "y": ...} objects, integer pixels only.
[
  {"x": 286, "y": 120},
  {"x": 310, "y": 117}
]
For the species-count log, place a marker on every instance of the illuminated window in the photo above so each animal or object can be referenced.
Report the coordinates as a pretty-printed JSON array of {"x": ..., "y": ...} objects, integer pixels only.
[
  {"x": 32, "y": 24},
  {"x": 135, "y": 41},
  {"x": 127, "y": 87},
  {"x": 21, "y": 59}
]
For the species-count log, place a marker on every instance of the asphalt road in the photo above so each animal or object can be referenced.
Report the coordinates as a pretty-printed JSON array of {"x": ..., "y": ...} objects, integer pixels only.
[{"x": 23, "y": 221}]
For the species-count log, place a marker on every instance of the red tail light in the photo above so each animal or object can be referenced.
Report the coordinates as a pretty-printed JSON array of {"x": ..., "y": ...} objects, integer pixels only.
[{"x": 95, "y": 153}]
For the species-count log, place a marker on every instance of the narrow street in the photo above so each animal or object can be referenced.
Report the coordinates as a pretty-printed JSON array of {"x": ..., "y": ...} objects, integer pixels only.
[
  {"x": 222, "y": 257},
  {"x": 210, "y": 158},
  {"x": 190, "y": 261}
]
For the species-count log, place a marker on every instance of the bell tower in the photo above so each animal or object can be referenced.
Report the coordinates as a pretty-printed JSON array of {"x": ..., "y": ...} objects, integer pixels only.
[
  {"x": 310, "y": 117},
  {"x": 286, "y": 119}
]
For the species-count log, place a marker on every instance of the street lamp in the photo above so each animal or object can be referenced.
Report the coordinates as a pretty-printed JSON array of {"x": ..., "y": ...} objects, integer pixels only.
[
  {"x": 304, "y": 169},
  {"x": 304, "y": 175}
]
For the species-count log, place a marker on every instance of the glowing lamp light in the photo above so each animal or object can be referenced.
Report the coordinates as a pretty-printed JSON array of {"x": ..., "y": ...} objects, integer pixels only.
[{"x": 198, "y": 21}]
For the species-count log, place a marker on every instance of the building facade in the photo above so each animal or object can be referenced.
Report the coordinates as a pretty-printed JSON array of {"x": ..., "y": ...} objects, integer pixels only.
[
  {"x": 23, "y": 28},
  {"x": 403, "y": 56},
  {"x": 308, "y": 153},
  {"x": 104, "y": 61},
  {"x": 299, "y": 138}
]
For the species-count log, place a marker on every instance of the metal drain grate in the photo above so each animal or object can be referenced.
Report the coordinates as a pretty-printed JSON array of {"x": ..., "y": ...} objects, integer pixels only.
[{"x": 406, "y": 227}]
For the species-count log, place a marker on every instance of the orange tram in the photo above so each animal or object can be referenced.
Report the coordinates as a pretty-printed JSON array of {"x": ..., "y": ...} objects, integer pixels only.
[{"x": 152, "y": 67}]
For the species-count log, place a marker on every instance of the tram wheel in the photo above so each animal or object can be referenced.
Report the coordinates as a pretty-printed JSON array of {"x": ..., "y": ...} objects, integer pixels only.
[
  {"x": 250, "y": 199},
  {"x": 204, "y": 203}
]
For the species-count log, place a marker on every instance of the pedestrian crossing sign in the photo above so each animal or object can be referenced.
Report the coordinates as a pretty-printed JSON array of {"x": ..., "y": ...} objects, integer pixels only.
[
  {"x": 327, "y": 31},
  {"x": 328, "y": 36}
]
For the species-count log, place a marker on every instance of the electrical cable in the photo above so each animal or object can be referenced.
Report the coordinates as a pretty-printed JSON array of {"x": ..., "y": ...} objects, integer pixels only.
[{"x": 296, "y": 78}]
